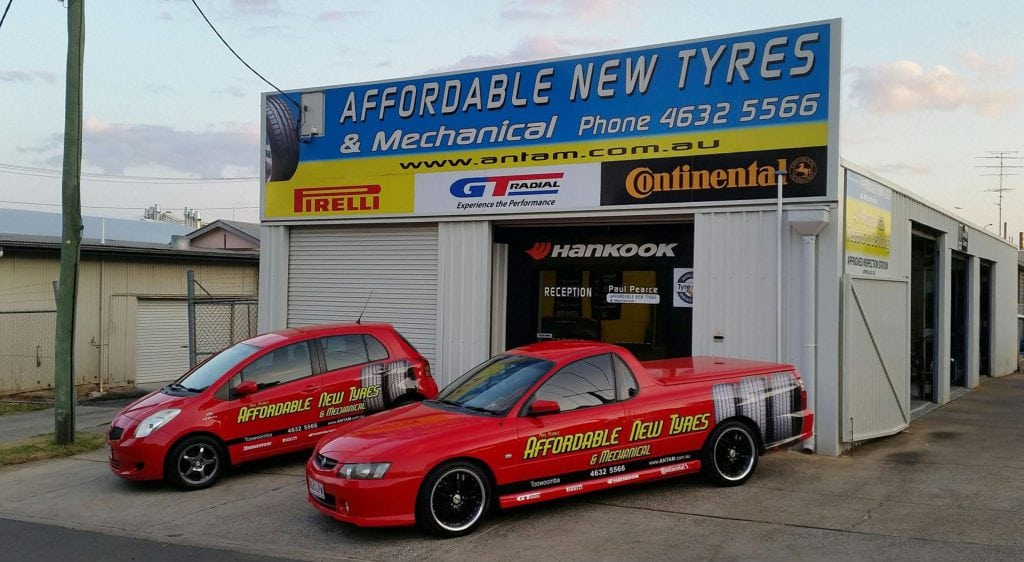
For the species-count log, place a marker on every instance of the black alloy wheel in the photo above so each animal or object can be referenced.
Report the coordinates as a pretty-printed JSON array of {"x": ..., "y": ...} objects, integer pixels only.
[
  {"x": 195, "y": 463},
  {"x": 453, "y": 499},
  {"x": 730, "y": 454}
]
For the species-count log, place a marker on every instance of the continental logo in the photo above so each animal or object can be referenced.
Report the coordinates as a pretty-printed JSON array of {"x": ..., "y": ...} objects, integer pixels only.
[
  {"x": 641, "y": 182},
  {"x": 345, "y": 198},
  {"x": 803, "y": 170}
]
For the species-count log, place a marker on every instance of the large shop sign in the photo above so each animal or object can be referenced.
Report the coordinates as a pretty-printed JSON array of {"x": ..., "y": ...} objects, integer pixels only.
[{"x": 681, "y": 123}]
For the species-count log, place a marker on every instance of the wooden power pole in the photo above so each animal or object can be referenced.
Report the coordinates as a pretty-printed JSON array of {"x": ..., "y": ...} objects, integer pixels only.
[{"x": 71, "y": 238}]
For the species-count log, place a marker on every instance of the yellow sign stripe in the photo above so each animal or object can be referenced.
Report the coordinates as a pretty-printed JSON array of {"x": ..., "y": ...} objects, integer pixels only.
[{"x": 396, "y": 181}]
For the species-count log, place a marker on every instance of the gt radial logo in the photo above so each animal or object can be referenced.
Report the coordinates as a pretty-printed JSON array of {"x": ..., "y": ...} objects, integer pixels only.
[
  {"x": 507, "y": 186},
  {"x": 539, "y": 250}
]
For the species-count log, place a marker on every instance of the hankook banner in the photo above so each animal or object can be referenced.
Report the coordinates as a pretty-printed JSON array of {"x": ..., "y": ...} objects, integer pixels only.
[{"x": 369, "y": 150}]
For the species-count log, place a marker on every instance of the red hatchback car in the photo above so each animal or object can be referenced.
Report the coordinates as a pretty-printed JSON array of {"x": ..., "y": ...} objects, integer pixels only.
[{"x": 275, "y": 393}]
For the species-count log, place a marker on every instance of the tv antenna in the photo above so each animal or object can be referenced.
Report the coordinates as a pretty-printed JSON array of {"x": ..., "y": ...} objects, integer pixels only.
[{"x": 1008, "y": 159}]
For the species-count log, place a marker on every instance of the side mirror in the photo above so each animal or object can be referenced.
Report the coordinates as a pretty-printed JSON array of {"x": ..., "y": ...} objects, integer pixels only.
[
  {"x": 542, "y": 407},
  {"x": 246, "y": 388}
]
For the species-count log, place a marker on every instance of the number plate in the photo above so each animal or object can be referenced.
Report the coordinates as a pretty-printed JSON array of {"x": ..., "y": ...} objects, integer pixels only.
[{"x": 317, "y": 489}]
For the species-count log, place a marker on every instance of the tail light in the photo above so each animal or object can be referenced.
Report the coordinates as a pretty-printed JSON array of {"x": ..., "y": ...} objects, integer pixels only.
[{"x": 420, "y": 370}]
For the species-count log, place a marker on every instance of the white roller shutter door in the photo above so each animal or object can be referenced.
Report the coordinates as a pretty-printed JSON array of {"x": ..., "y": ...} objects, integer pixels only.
[
  {"x": 331, "y": 271},
  {"x": 161, "y": 341}
]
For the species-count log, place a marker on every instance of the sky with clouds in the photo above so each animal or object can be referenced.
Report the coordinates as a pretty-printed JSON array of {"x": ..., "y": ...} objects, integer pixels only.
[{"x": 927, "y": 87}]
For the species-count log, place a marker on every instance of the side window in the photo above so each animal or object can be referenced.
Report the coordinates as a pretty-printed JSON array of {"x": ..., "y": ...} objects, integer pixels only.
[
  {"x": 624, "y": 379},
  {"x": 584, "y": 383},
  {"x": 282, "y": 365},
  {"x": 375, "y": 349},
  {"x": 227, "y": 390},
  {"x": 344, "y": 351}
]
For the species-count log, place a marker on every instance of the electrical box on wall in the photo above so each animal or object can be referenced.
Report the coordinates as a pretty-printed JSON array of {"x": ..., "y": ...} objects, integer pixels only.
[{"x": 312, "y": 115}]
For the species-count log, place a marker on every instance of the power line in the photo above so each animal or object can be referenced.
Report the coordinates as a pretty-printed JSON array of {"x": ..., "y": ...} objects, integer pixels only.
[
  {"x": 3, "y": 17},
  {"x": 128, "y": 208},
  {"x": 237, "y": 56},
  {"x": 46, "y": 173}
]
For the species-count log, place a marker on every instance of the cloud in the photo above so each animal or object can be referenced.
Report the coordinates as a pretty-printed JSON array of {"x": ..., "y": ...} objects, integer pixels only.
[
  {"x": 116, "y": 147},
  {"x": 999, "y": 66},
  {"x": 586, "y": 10},
  {"x": 263, "y": 7},
  {"x": 340, "y": 15},
  {"x": 903, "y": 168},
  {"x": 27, "y": 76},
  {"x": 235, "y": 91},
  {"x": 529, "y": 49},
  {"x": 904, "y": 86}
]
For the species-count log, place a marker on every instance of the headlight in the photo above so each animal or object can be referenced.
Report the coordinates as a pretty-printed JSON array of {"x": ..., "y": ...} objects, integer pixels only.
[
  {"x": 150, "y": 424},
  {"x": 364, "y": 470}
]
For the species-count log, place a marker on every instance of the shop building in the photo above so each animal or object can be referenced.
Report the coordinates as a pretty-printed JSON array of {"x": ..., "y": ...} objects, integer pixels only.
[{"x": 677, "y": 199}]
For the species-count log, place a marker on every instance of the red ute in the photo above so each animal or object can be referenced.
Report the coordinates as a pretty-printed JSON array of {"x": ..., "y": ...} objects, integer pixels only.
[
  {"x": 551, "y": 420},
  {"x": 274, "y": 393}
]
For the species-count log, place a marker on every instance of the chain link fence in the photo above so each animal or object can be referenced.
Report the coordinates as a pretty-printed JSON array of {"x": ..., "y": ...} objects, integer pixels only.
[
  {"x": 217, "y": 322},
  {"x": 220, "y": 323},
  {"x": 27, "y": 351}
]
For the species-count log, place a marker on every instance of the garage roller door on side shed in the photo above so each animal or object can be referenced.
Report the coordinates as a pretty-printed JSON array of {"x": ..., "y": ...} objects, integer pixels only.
[{"x": 161, "y": 342}]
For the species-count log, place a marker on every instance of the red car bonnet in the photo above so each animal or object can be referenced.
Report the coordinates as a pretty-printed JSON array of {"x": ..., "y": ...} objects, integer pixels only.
[{"x": 152, "y": 403}]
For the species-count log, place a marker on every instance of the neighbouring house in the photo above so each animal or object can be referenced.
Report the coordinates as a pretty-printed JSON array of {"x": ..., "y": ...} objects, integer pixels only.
[{"x": 131, "y": 318}]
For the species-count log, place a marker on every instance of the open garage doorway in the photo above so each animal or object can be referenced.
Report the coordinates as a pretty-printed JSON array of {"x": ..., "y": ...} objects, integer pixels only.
[
  {"x": 923, "y": 314},
  {"x": 959, "y": 296},
  {"x": 985, "y": 320}
]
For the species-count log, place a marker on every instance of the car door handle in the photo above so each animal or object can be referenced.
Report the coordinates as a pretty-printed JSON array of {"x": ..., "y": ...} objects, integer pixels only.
[{"x": 310, "y": 389}]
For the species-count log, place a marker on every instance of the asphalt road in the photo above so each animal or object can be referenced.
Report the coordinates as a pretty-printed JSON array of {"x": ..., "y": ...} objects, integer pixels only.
[
  {"x": 951, "y": 487},
  {"x": 95, "y": 416},
  {"x": 33, "y": 542}
]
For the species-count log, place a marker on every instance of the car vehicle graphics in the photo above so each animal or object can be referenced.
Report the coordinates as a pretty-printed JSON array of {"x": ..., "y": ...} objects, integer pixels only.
[
  {"x": 551, "y": 420},
  {"x": 274, "y": 393}
]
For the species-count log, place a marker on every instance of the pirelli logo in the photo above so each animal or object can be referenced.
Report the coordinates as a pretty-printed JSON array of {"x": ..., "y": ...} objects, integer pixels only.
[{"x": 337, "y": 199}]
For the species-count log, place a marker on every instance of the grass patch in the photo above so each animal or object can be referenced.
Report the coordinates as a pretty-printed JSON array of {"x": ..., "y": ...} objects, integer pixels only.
[
  {"x": 44, "y": 447},
  {"x": 10, "y": 408}
]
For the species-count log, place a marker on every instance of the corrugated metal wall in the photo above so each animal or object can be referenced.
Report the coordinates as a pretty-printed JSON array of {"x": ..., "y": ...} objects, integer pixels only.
[
  {"x": 107, "y": 313},
  {"x": 108, "y": 286},
  {"x": 27, "y": 322},
  {"x": 876, "y": 369},
  {"x": 909, "y": 212},
  {"x": 735, "y": 280},
  {"x": 464, "y": 259}
]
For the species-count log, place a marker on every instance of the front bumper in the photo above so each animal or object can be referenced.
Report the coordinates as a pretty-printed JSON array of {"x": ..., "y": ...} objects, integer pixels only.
[
  {"x": 388, "y": 502},
  {"x": 134, "y": 459}
]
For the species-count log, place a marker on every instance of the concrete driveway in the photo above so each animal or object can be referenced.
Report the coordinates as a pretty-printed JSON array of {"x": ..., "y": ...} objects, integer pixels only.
[{"x": 949, "y": 488}]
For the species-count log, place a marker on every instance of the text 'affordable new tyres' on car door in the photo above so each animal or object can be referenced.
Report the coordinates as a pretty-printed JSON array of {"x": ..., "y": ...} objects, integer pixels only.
[
  {"x": 280, "y": 414},
  {"x": 358, "y": 378},
  {"x": 565, "y": 447}
]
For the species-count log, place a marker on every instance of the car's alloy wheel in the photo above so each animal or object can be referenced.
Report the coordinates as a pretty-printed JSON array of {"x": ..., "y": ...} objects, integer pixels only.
[
  {"x": 730, "y": 454},
  {"x": 454, "y": 499},
  {"x": 195, "y": 463}
]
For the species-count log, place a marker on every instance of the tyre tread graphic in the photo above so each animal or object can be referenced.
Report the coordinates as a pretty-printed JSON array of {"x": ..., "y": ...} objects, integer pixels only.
[
  {"x": 782, "y": 388},
  {"x": 282, "y": 140},
  {"x": 752, "y": 402},
  {"x": 725, "y": 401}
]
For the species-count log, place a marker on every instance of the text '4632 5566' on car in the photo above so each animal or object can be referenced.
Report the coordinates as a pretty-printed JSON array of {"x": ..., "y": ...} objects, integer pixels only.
[
  {"x": 550, "y": 420},
  {"x": 274, "y": 393}
]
